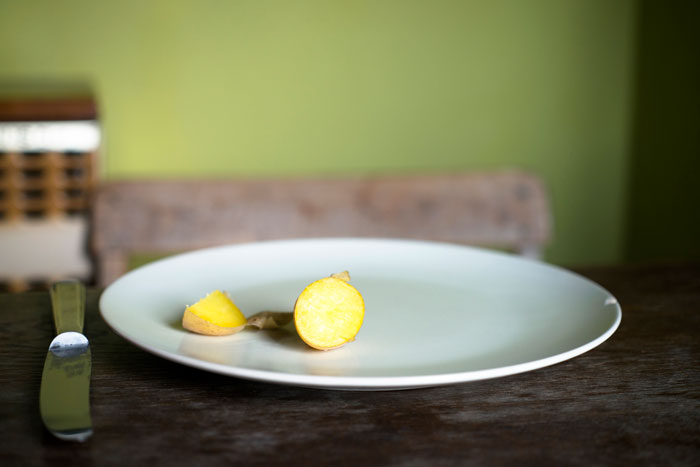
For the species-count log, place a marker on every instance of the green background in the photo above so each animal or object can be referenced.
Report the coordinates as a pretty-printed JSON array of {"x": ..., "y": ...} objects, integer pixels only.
[{"x": 257, "y": 88}]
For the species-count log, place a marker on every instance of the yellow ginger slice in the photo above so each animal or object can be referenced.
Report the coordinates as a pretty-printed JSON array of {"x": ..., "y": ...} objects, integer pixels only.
[
  {"x": 214, "y": 315},
  {"x": 329, "y": 312}
]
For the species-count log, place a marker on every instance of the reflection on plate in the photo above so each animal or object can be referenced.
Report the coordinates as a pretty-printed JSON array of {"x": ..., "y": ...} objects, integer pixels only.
[{"x": 435, "y": 313}]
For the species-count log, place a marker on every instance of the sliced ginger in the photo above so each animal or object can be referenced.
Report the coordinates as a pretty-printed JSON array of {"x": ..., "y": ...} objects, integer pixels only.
[
  {"x": 214, "y": 315},
  {"x": 329, "y": 312}
]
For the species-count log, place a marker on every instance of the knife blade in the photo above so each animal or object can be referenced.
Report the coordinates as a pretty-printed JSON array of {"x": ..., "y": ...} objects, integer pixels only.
[{"x": 64, "y": 399}]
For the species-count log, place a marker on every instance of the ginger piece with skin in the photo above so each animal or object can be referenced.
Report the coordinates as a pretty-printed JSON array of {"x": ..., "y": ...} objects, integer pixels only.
[{"x": 214, "y": 315}]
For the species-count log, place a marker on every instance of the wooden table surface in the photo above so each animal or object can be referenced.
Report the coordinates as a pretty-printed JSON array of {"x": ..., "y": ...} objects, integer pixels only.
[{"x": 633, "y": 400}]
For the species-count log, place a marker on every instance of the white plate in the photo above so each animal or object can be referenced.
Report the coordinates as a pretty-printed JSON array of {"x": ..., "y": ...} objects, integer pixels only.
[{"x": 435, "y": 313}]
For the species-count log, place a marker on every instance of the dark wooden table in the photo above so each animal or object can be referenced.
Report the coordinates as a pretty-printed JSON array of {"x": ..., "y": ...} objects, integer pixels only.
[{"x": 635, "y": 400}]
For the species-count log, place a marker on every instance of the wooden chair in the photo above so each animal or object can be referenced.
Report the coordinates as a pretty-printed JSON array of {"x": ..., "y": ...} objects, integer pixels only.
[{"x": 501, "y": 209}]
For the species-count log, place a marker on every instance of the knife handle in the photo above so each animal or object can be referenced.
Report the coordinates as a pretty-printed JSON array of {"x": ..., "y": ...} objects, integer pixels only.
[{"x": 68, "y": 302}]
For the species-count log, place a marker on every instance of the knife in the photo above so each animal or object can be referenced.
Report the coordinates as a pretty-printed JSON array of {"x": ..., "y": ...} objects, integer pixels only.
[{"x": 64, "y": 399}]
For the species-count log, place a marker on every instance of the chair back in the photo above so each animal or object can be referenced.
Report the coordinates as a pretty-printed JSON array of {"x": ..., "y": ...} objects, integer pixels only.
[{"x": 501, "y": 209}]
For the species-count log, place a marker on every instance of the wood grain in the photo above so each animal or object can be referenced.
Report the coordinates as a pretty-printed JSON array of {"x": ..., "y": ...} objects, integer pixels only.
[
  {"x": 503, "y": 209},
  {"x": 635, "y": 400}
]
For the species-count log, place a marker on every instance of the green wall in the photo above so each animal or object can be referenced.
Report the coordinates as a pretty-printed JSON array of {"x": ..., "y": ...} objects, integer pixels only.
[{"x": 214, "y": 88}]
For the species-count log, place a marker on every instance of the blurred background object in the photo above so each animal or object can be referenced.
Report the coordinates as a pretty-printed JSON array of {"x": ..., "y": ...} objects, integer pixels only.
[
  {"x": 663, "y": 211},
  {"x": 506, "y": 210},
  {"x": 49, "y": 138},
  {"x": 597, "y": 98}
]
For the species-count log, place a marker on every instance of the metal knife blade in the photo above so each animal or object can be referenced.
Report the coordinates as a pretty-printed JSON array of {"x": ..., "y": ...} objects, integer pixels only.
[{"x": 64, "y": 399}]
